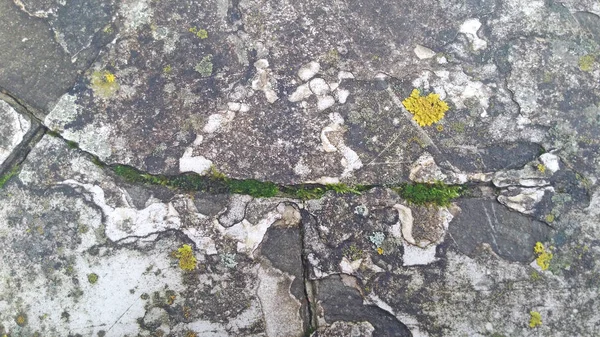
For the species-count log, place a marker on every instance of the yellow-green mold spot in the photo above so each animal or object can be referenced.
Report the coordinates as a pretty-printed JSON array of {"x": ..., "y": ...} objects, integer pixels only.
[
  {"x": 426, "y": 109},
  {"x": 21, "y": 319},
  {"x": 586, "y": 62},
  {"x": 187, "y": 260},
  {"x": 535, "y": 319},
  {"x": 92, "y": 278},
  {"x": 104, "y": 83},
  {"x": 199, "y": 32}
]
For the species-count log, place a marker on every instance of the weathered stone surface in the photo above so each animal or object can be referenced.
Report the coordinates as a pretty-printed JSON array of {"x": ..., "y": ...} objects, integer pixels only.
[
  {"x": 292, "y": 92},
  {"x": 45, "y": 46},
  {"x": 63, "y": 219}
]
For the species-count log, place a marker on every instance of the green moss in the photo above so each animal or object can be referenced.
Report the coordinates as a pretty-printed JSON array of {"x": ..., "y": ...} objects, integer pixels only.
[
  {"x": 205, "y": 66},
  {"x": 6, "y": 177},
  {"x": 255, "y": 188},
  {"x": 422, "y": 194},
  {"x": 73, "y": 145},
  {"x": 304, "y": 192},
  {"x": 343, "y": 188},
  {"x": 53, "y": 133},
  {"x": 217, "y": 182},
  {"x": 92, "y": 278}
]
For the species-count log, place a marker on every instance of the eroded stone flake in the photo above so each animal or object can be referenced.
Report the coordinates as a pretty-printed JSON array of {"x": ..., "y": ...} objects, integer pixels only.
[{"x": 12, "y": 129}]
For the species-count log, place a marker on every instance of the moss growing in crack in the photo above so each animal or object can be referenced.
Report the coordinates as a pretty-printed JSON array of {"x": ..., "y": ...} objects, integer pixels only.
[
  {"x": 438, "y": 193},
  {"x": 6, "y": 177},
  {"x": 72, "y": 145},
  {"x": 304, "y": 192},
  {"x": 255, "y": 188},
  {"x": 217, "y": 182}
]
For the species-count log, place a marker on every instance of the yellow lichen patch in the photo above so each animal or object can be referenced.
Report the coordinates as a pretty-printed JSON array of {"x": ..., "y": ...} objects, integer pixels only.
[
  {"x": 543, "y": 256},
  {"x": 380, "y": 251},
  {"x": 426, "y": 109},
  {"x": 535, "y": 319},
  {"x": 109, "y": 78},
  {"x": 187, "y": 260},
  {"x": 104, "y": 83},
  {"x": 541, "y": 168}
]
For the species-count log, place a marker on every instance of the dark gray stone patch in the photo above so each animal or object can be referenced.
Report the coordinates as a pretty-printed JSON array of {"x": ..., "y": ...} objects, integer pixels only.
[
  {"x": 283, "y": 248},
  {"x": 78, "y": 21},
  {"x": 34, "y": 66},
  {"x": 493, "y": 158},
  {"x": 590, "y": 22},
  {"x": 343, "y": 303},
  {"x": 511, "y": 235}
]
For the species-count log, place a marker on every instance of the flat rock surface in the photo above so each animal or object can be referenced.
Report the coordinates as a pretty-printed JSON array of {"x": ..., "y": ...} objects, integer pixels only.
[{"x": 245, "y": 168}]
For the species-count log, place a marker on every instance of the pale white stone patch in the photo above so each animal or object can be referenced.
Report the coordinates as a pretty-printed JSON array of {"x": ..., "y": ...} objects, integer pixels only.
[
  {"x": 526, "y": 200},
  {"x": 342, "y": 95},
  {"x": 414, "y": 255},
  {"x": 426, "y": 170},
  {"x": 190, "y": 163},
  {"x": 550, "y": 161},
  {"x": 248, "y": 235},
  {"x": 318, "y": 86},
  {"x": 309, "y": 70},
  {"x": 301, "y": 93},
  {"x": 351, "y": 161},
  {"x": 423, "y": 52},
  {"x": 14, "y": 128},
  {"x": 470, "y": 28},
  {"x": 325, "y": 102},
  {"x": 136, "y": 13},
  {"x": 343, "y": 75},
  {"x": 123, "y": 222}
]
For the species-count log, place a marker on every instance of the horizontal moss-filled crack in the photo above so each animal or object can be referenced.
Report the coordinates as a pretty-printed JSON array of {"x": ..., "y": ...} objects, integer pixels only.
[{"x": 417, "y": 193}]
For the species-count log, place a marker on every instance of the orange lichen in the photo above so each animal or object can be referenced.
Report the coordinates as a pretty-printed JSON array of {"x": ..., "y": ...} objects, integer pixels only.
[{"x": 426, "y": 109}]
